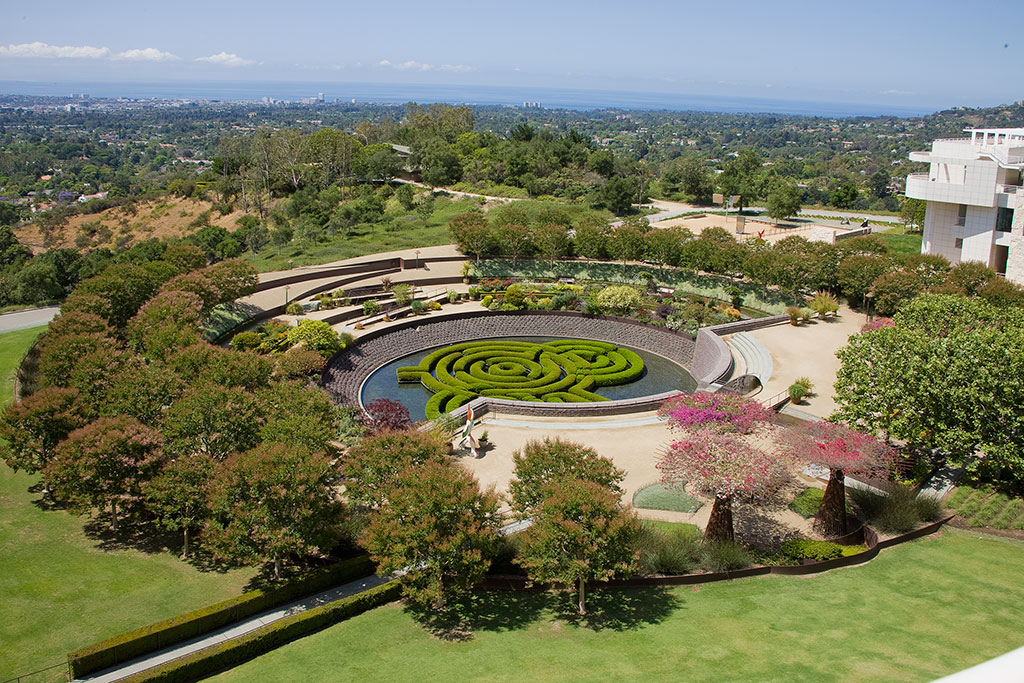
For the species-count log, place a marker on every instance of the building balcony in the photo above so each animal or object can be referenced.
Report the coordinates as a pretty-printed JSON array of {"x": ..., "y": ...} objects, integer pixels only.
[{"x": 920, "y": 186}]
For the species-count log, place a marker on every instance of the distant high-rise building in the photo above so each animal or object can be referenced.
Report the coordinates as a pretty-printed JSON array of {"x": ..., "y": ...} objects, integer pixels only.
[
  {"x": 975, "y": 201},
  {"x": 320, "y": 96}
]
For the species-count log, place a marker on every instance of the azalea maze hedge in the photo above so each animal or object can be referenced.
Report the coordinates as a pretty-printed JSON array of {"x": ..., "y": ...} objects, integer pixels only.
[{"x": 562, "y": 371}]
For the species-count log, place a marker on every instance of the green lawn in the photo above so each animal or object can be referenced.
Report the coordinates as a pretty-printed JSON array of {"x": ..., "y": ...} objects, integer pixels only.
[
  {"x": 900, "y": 243},
  {"x": 658, "y": 496},
  {"x": 62, "y": 589},
  {"x": 409, "y": 232},
  {"x": 917, "y": 612}
]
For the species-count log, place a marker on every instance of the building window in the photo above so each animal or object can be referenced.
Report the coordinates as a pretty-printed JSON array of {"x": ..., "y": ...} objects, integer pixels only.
[
  {"x": 958, "y": 243},
  {"x": 961, "y": 214},
  {"x": 1004, "y": 219}
]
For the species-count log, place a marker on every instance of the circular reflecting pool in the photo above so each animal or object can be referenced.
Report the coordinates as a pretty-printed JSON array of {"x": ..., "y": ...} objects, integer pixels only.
[{"x": 659, "y": 375}]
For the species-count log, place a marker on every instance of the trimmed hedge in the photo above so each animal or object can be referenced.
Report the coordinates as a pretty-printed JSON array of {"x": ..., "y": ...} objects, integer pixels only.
[
  {"x": 808, "y": 549},
  {"x": 231, "y": 653},
  {"x": 555, "y": 372},
  {"x": 132, "y": 644},
  {"x": 807, "y": 502}
]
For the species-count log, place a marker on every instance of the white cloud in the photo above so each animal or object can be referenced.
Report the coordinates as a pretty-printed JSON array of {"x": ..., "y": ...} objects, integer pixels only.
[
  {"x": 39, "y": 50},
  {"x": 904, "y": 93},
  {"x": 147, "y": 54},
  {"x": 420, "y": 66},
  {"x": 226, "y": 59}
]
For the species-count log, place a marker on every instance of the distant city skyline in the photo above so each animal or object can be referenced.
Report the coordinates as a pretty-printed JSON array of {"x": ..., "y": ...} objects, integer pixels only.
[{"x": 911, "y": 54}]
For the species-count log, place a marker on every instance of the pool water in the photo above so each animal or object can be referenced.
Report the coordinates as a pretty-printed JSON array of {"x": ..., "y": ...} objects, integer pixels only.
[{"x": 660, "y": 375}]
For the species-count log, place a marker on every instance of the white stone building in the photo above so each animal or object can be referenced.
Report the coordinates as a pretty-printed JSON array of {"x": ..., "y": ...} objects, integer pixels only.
[{"x": 975, "y": 209}]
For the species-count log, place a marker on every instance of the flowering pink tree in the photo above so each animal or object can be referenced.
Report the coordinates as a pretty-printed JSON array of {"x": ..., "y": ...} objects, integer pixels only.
[
  {"x": 723, "y": 467},
  {"x": 723, "y": 412},
  {"x": 843, "y": 450}
]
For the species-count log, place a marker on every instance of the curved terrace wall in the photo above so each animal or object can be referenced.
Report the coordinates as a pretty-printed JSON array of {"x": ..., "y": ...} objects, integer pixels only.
[{"x": 346, "y": 372}]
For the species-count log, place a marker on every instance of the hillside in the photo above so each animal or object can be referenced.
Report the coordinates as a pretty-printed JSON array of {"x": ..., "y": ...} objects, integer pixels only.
[{"x": 125, "y": 225}]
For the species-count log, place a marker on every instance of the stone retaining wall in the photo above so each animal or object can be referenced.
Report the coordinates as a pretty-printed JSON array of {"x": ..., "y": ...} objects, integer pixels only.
[{"x": 346, "y": 372}]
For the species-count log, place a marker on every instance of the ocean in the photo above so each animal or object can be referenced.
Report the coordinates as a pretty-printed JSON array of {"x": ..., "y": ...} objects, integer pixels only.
[{"x": 552, "y": 98}]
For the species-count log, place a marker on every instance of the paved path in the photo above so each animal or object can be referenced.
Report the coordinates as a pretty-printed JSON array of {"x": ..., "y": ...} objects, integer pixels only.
[
  {"x": 22, "y": 320},
  {"x": 233, "y": 631}
]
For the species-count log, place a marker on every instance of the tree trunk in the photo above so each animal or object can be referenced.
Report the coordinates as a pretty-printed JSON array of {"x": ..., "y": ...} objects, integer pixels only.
[
  {"x": 113, "y": 515},
  {"x": 277, "y": 568},
  {"x": 583, "y": 596},
  {"x": 720, "y": 523},
  {"x": 184, "y": 551},
  {"x": 832, "y": 513}
]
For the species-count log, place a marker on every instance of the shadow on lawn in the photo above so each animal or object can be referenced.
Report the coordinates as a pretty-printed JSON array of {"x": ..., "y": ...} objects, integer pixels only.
[{"x": 607, "y": 609}]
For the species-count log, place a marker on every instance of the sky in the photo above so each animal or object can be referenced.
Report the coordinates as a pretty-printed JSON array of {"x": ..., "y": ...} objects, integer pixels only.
[{"x": 910, "y": 53}]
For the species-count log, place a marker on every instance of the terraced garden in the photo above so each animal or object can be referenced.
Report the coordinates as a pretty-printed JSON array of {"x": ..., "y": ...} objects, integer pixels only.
[{"x": 562, "y": 371}]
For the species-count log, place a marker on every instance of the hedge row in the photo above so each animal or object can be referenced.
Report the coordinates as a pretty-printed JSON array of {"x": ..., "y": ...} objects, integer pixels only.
[
  {"x": 127, "y": 646},
  {"x": 231, "y": 653}
]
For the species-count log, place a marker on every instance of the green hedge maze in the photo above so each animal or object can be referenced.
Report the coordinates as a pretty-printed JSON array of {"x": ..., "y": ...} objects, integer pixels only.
[{"x": 562, "y": 371}]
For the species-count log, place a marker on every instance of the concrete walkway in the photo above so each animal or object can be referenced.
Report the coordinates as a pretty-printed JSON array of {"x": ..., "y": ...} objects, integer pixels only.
[
  {"x": 233, "y": 631},
  {"x": 23, "y": 320}
]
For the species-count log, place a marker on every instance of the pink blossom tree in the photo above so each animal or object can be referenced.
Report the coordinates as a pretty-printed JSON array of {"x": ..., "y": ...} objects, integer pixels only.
[
  {"x": 721, "y": 412},
  {"x": 723, "y": 467},
  {"x": 843, "y": 450}
]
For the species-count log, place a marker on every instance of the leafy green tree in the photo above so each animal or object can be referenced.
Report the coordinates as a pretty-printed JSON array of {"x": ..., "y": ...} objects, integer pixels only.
[
  {"x": 404, "y": 195},
  {"x": 912, "y": 212},
  {"x": 928, "y": 380},
  {"x": 439, "y": 163},
  {"x": 617, "y": 195},
  {"x": 105, "y": 463},
  {"x": 372, "y": 466},
  {"x": 543, "y": 463},
  {"x": 514, "y": 240},
  {"x": 844, "y": 196},
  {"x": 125, "y": 287},
  {"x": 298, "y": 414},
  {"x": 280, "y": 236},
  {"x": 591, "y": 241},
  {"x": 893, "y": 289},
  {"x": 626, "y": 243},
  {"x": 58, "y": 355},
  {"x": 743, "y": 175},
  {"x": 273, "y": 502},
  {"x": 177, "y": 495},
  {"x": 437, "y": 527},
  {"x": 30, "y": 429},
  {"x": 580, "y": 533},
  {"x": 552, "y": 241},
  {"x": 665, "y": 246},
  {"x": 167, "y": 322},
  {"x": 784, "y": 200},
  {"x": 858, "y": 273},
  {"x": 695, "y": 179},
  {"x": 213, "y": 420}
]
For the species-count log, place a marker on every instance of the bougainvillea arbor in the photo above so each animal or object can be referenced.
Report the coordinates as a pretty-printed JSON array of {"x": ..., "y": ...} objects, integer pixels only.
[
  {"x": 723, "y": 467},
  {"x": 843, "y": 450}
]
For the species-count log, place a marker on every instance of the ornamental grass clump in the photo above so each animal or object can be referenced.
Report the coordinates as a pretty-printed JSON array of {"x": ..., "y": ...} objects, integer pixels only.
[{"x": 721, "y": 412}]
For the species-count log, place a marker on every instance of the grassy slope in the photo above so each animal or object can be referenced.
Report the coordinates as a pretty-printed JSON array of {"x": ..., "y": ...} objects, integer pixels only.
[
  {"x": 366, "y": 239},
  {"x": 60, "y": 588},
  {"x": 919, "y": 611}
]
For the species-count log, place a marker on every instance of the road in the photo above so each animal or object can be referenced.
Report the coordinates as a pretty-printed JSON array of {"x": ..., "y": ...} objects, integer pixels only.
[{"x": 22, "y": 320}]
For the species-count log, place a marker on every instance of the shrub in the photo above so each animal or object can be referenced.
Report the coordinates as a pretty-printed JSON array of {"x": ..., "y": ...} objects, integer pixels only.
[
  {"x": 724, "y": 556},
  {"x": 371, "y": 307},
  {"x": 806, "y": 314},
  {"x": 808, "y": 549},
  {"x": 295, "y": 308},
  {"x": 899, "y": 511},
  {"x": 797, "y": 392},
  {"x": 417, "y": 306},
  {"x": 403, "y": 294},
  {"x": 486, "y": 302},
  {"x": 794, "y": 313},
  {"x": 299, "y": 362},
  {"x": 662, "y": 552},
  {"x": 453, "y": 296},
  {"x": 433, "y": 306},
  {"x": 620, "y": 299},
  {"x": 806, "y": 504},
  {"x": 246, "y": 341},
  {"x": 824, "y": 303},
  {"x": 316, "y": 335}
]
